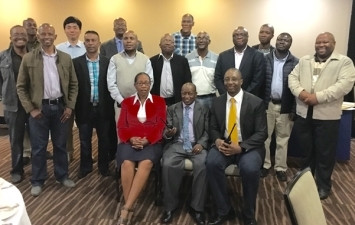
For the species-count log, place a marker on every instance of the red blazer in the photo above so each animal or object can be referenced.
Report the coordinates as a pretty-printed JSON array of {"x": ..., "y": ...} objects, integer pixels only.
[{"x": 129, "y": 126}]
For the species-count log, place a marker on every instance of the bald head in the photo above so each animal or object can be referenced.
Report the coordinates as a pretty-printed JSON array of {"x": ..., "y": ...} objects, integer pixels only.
[
  {"x": 188, "y": 93},
  {"x": 325, "y": 45}
]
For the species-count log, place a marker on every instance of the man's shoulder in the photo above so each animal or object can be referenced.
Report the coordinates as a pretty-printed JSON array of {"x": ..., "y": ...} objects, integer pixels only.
[
  {"x": 250, "y": 98},
  {"x": 108, "y": 42},
  {"x": 227, "y": 52}
]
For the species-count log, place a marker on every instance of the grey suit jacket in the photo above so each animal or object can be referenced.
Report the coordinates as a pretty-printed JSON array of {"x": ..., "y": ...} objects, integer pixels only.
[
  {"x": 200, "y": 122},
  {"x": 109, "y": 48},
  {"x": 253, "y": 126}
]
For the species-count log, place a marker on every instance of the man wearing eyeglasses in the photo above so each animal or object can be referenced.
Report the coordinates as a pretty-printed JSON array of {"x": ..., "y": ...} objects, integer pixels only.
[{"x": 171, "y": 71}]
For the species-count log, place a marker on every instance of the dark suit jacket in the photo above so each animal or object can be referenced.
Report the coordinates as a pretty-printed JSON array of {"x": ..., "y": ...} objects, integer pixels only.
[
  {"x": 109, "y": 48},
  {"x": 253, "y": 125},
  {"x": 200, "y": 122},
  {"x": 251, "y": 67},
  {"x": 180, "y": 70},
  {"x": 83, "y": 103}
]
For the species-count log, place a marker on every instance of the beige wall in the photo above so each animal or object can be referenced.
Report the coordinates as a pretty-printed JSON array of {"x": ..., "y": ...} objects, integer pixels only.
[{"x": 303, "y": 19}]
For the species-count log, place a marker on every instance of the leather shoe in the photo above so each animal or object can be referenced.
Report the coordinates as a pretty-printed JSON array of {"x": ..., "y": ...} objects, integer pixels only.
[
  {"x": 281, "y": 175},
  {"x": 198, "y": 217},
  {"x": 221, "y": 219},
  {"x": 264, "y": 172},
  {"x": 323, "y": 194},
  {"x": 26, "y": 160},
  {"x": 83, "y": 174},
  {"x": 167, "y": 217}
]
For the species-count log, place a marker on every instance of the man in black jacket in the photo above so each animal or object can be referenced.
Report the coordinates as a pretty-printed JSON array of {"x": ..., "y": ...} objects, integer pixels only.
[
  {"x": 279, "y": 102},
  {"x": 94, "y": 106}
]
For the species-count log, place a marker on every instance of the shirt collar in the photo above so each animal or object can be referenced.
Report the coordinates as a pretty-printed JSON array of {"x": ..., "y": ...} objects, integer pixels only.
[
  {"x": 79, "y": 44},
  {"x": 52, "y": 55},
  {"x": 89, "y": 60},
  {"x": 235, "y": 51},
  {"x": 136, "y": 98},
  {"x": 130, "y": 57},
  {"x": 161, "y": 55},
  {"x": 238, "y": 97},
  {"x": 283, "y": 59},
  {"x": 192, "y": 105}
]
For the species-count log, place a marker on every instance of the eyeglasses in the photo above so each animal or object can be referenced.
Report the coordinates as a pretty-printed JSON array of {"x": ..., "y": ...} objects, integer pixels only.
[{"x": 143, "y": 83}]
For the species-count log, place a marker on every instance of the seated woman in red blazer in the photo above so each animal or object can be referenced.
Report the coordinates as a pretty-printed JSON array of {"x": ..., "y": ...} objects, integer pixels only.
[{"x": 140, "y": 128}]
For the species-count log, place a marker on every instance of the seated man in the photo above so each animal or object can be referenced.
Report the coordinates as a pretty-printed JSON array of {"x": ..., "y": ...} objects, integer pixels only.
[
  {"x": 238, "y": 131},
  {"x": 188, "y": 139}
]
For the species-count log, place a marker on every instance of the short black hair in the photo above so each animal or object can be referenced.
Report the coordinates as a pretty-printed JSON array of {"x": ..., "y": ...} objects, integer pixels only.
[
  {"x": 92, "y": 32},
  {"x": 72, "y": 19}
]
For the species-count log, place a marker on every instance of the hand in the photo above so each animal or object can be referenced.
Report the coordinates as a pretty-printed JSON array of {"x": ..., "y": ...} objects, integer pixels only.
[
  {"x": 36, "y": 114},
  {"x": 136, "y": 143},
  {"x": 303, "y": 95},
  {"x": 170, "y": 132},
  {"x": 66, "y": 115},
  {"x": 197, "y": 149},
  {"x": 230, "y": 149},
  {"x": 311, "y": 100}
]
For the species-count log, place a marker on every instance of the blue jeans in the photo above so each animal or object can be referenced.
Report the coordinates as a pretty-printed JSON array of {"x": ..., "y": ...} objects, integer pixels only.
[
  {"x": 16, "y": 122},
  {"x": 40, "y": 128}
]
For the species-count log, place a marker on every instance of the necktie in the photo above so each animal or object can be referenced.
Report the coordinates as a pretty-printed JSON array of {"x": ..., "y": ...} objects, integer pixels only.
[
  {"x": 233, "y": 120},
  {"x": 186, "y": 135},
  {"x": 120, "y": 46}
]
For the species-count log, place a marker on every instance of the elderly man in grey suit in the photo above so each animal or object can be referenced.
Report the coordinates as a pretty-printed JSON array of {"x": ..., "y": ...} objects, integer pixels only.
[
  {"x": 188, "y": 138},
  {"x": 115, "y": 45}
]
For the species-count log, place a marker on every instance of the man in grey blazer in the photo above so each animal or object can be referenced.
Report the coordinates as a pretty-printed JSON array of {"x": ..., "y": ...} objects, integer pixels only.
[
  {"x": 189, "y": 119},
  {"x": 115, "y": 45},
  {"x": 246, "y": 147},
  {"x": 248, "y": 60}
]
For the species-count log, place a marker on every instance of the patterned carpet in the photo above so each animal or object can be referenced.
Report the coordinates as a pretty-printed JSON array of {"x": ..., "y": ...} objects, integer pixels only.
[{"x": 93, "y": 201}]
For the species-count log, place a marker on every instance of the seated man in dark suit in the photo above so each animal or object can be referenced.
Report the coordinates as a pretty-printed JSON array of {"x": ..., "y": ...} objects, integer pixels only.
[
  {"x": 237, "y": 130},
  {"x": 188, "y": 139}
]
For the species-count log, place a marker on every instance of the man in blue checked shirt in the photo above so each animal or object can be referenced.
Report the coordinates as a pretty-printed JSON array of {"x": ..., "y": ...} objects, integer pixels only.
[{"x": 185, "y": 41}]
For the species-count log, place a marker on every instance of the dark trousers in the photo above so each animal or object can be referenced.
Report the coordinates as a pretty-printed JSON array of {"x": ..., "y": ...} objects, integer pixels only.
[
  {"x": 40, "y": 128},
  {"x": 102, "y": 125},
  {"x": 16, "y": 122},
  {"x": 249, "y": 164},
  {"x": 318, "y": 140}
]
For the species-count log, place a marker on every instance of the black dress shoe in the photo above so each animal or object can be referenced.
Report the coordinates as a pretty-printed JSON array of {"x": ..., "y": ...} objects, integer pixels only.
[
  {"x": 281, "y": 175},
  {"x": 264, "y": 172},
  {"x": 83, "y": 174},
  {"x": 167, "y": 217},
  {"x": 198, "y": 217},
  {"x": 323, "y": 194},
  {"x": 221, "y": 219}
]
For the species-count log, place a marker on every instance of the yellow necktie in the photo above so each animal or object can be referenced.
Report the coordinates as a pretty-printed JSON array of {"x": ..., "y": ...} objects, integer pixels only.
[{"x": 233, "y": 120}]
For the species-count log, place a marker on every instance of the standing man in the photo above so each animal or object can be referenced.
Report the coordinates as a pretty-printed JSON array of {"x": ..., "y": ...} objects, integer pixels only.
[
  {"x": 246, "y": 113},
  {"x": 122, "y": 69},
  {"x": 280, "y": 104},
  {"x": 266, "y": 33},
  {"x": 319, "y": 83},
  {"x": 75, "y": 48},
  {"x": 248, "y": 60},
  {"x": 185, "y": 41},
  {"x": 115, "y": 45},
  {"x": 202, "y": 63},
  {"x": 15, "y": 116},
  {"x": 171, "y": 71},
  {"x": 31, "y": 28},
  {"x": 94, "y": 105},
  {"x": 47, "y": 87},
  {"x": 187, "y": 139}
]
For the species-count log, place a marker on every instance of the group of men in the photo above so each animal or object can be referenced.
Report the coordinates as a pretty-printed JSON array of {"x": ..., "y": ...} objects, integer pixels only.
[{"x": 262, "y": 89}]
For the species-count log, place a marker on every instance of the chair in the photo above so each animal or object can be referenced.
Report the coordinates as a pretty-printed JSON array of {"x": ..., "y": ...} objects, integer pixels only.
[{"x": 302, "y": 200}]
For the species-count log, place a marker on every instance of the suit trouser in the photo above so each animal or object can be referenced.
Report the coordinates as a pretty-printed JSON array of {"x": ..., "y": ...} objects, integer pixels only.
[
  {"x": 318, "y": 140},
  {"x": 102, "y": 125},
  {"x": 16, "y": 123},
  {"x": 173, "y": 172},
  {"x": 282, "y": 126},
  {"x": 249, "y": 164},
  {"x": 70, "y": 143}
]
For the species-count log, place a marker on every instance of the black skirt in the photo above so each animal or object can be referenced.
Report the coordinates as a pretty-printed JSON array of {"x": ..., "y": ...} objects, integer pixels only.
[{"x": 126, "y": 152}]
